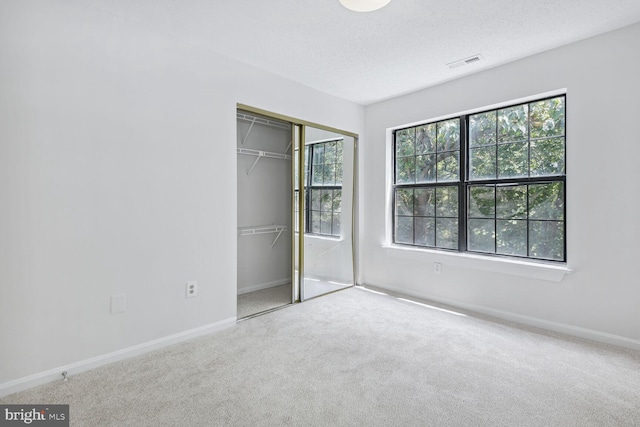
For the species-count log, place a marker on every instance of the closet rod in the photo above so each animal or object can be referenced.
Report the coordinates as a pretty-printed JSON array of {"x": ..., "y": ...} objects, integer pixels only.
[
  {"x": 263, "y": 229},
  {"x": 260, "y": 154},
  {"x": 263, "y": 121}
]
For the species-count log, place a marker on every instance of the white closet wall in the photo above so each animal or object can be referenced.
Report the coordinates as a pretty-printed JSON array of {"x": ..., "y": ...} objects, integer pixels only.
[{"x": 264, "y": 203}]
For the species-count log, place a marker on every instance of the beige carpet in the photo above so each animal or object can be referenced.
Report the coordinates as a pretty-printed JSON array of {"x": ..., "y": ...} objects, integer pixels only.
[
  {"x": 316, "y": 287},
  {"x": 355, "y": 358},
  {"x": 265, "y": 299}
]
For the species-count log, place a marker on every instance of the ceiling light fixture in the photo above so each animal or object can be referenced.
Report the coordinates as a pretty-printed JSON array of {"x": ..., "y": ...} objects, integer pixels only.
[{"x": 364, "y": 5}]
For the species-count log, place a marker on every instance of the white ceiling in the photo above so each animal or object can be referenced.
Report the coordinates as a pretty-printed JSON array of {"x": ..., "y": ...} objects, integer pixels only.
[{"x": 367, "y": 57}]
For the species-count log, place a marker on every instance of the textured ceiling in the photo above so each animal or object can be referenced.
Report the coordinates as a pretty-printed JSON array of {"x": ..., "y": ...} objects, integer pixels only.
[{"x": 367, "y": 57}]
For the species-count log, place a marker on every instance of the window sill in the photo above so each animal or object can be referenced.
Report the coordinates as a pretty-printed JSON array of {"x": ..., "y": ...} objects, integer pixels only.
[
  {"x": 535, "y": 270},
  {"x": 312, "y": 237},
  {"x": 319, "y": 237}
]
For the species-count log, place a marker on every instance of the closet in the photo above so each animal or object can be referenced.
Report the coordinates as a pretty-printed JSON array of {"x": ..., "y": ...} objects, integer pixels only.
[
  {"x": 296, "y": 193},
  {"x": 264, "y": 156}
]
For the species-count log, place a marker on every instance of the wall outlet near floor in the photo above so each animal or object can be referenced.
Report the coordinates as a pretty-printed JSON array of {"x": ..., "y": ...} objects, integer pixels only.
[
  {"x": 437, "y": 267},
  {"x": 192, "y": 289},
  {"x": 118, "y": 303}
]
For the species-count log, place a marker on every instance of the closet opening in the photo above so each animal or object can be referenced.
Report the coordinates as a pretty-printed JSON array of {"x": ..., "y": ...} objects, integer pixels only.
[
  {"x": 264, "y": 147},
  {"x": 296, "y": 193}
]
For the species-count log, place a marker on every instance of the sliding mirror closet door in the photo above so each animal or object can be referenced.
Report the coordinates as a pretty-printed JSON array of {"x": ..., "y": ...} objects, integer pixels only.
[
  {"x": 327, "y": 217},
  {"x": 265, "y": 185}
]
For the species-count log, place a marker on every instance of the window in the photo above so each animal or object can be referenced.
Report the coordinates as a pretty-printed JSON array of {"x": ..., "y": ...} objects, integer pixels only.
[
  {"x": 323, "y": 188},
  {"x": 491, "y": 182}
]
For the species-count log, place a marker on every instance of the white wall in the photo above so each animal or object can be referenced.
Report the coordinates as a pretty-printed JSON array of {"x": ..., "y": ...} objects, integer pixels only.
[
  {"x": 601, "y": 298},
  {"x": 118, "y": 175}
]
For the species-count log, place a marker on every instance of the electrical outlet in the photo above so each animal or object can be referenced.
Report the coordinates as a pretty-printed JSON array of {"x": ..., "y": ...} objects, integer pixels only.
[
  {"x": 192, "y": 289},
  {"x": 118, "y": 303},
  {"x": 437, "y": 267}
]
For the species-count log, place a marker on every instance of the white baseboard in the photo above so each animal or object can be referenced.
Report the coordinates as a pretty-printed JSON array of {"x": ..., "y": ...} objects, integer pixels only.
[
  {"x": 55, "y": 374},
  {"x": 563, "y": 328},
  {"x": 260, "y": 286}
]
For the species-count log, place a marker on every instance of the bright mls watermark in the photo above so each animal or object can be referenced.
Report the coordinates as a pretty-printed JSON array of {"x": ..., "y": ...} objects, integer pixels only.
[{"x": 37, "y": 415}]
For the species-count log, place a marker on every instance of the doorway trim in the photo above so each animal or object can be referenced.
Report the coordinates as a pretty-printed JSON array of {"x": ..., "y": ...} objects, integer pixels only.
[{"x": 293, "y": 120}]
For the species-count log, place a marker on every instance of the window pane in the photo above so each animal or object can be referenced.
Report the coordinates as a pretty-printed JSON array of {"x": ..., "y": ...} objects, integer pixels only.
[
  {"x": 481, "y": 202},
  {"x": 512, "y": 237},
  {"x": 447, "y": 233},
  {"x": 547, "y": 118},
  {"x": 449, "y": 135},
  {"x": 482, "y": 235},
  {"x": 317, "y": 175},
  {"x": 404, "y": 229},
  {"x": 324, "y": 204},
  {"x": 512, "y": 124},
  {"x": 511, "y": 202},
  {"x": 448, "y": 166},
  {"x": 425, "y": 231},
  {"x": 316, "y": 197},
  {"x": 307, "y": 166},
  {"x": 339, "y": 174},
  {"x": 329, "y": 174},
  {"x": 513, "y": 160},
  {"x": 482, "y": 129},
  {"x": 325, "y": 222},
  {"x": 337, "y": 200},
  {"x": 447, "y": 202},
  {"x": 329, "y": 152},
  {"x": 546, "y": 240},
  {"x": 424, "y": 202},
  {"x": 426, "y": 139},
  {"x": 482, "y": 163},
  {"x": 405, "y": 145},
  {"x": 336, "y": 224},
  {"x": 405, "y": 170},
  {"x": 546, "y": 201},
  {"x": 426, "y": 168},
  {"x": 318, "y": 154},
  {"x": 547, "y": 157},
  {"x": 404, "y": 201},
  {"x": 315, "y": 222},
  {"x": 327, "y": 200}
]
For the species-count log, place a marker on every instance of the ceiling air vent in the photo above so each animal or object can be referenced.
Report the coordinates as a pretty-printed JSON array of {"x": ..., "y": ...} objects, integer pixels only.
[{"x": 465, "y": 61}]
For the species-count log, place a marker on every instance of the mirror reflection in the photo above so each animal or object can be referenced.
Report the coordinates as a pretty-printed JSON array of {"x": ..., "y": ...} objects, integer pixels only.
[{"x": 327, "y": 220}]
